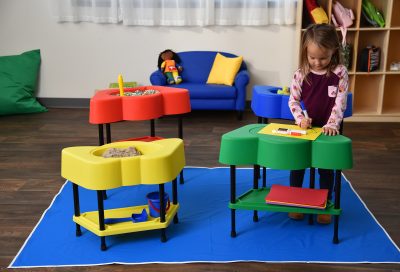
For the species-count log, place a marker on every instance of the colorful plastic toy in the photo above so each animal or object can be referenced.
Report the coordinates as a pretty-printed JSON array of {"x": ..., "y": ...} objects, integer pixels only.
[
  {"x": 121, "y": 85},
  {"x": 316, "y": 12},
  {"x": 284, "y": 91},
  {"x": 160, "y": 162},
  {"x": 327, "y": 152},
  {"x": 135, "y": 218},
  {"x": 107, "y": 107},
  {"x": 168, "y": 62}
]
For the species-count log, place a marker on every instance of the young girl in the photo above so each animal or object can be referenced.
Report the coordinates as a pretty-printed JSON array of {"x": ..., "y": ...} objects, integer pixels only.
[{"x": 321, "y": 84}]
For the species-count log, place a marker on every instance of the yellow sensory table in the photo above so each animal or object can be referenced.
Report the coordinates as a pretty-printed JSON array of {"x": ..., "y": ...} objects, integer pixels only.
[{"x": 161, "y": 161}]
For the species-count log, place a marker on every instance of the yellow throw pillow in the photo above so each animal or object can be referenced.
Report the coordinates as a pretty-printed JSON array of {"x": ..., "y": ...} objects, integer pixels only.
[{"x": 224, "y": 70}]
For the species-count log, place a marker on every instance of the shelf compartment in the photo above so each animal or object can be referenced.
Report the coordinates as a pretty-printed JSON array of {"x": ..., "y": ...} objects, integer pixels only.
[
  {"x": 306, "y": 20},
  {"x": 395, "y": 19},
  {"x": 350, "y": 40},
  {"x": 90, "y": 220},
  {"x": 349, "y": 4},
  {"x": 367, "y": 93},
  {"x": 351, "y": 83},
  {"x": 393, "y": 48},
  {"x": 382, "y": 6},
  {"x": 254, "y": 199},
  {"x": 377, "y": 38},
  {"x": 391, "y": 95}
]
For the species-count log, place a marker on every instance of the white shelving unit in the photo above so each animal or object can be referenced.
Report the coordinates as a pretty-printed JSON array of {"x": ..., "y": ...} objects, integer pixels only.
[{"x": 376, "y": 95}]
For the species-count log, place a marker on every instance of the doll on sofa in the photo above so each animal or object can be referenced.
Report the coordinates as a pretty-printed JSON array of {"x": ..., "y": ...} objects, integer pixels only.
[{"x": 168, "y": 63}]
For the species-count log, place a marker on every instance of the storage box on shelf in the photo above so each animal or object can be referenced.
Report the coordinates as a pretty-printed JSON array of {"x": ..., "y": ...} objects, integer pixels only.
[{"x": 376, "y": 94}]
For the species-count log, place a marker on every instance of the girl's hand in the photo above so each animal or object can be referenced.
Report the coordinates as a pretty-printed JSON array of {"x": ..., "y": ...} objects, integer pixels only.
[
  {"x": 330, "y": 131},
  {"x": 305, "y": 123}
]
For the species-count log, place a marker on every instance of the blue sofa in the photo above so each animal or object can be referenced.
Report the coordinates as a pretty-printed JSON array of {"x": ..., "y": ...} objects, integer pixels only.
[{"x": 196, "y": 68}]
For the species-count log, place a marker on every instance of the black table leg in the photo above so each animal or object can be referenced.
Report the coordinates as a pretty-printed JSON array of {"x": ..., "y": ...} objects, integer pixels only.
[
  {"x": 255, "y": 186},
  {"x": 180, "y": 135},
  {"x": 175, "y": 198},
  {"x": 180, "y": 127},
  {"x": 260, "y": 120},
  {"x": 162, "y": 212},
  {"x": 152, "y": 128},
  {"x": 77, "y": 211},
  {"x": 101, "y": 142},
  {"x": 108, "y": 140},
  {"x": 233, "y": 199},
  {"x": 101, "y": 134},
  {"x": 108, "y": 133},
  {"x": 263, "y": 120},
  {"x": 312, "y": 186},
  {"x": 338, "y": 181},
  {"x": 100, "y": 205},
  {"x": 264, "y": 177}
]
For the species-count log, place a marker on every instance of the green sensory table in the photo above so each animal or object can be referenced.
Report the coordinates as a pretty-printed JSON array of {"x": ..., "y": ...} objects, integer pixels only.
[{"x": 245, "y": 146}]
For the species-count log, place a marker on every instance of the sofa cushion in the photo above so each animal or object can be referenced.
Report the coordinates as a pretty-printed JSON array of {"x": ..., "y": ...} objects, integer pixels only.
[
  {"x": 209, "y": 91},
  {"x": 224, "y": 70}
]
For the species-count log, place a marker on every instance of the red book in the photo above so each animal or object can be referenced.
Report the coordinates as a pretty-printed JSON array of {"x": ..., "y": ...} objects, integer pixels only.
[{"x": 298, "y": 197}]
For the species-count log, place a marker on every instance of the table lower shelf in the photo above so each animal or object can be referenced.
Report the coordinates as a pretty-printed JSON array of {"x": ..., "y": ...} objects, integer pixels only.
[
  {"x": 90, "y": 220},
  {"x": 254, "y": 199}
]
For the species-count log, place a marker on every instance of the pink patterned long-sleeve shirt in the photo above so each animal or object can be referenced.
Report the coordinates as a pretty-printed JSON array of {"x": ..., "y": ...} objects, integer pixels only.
[{"x": 324, "y": 97}]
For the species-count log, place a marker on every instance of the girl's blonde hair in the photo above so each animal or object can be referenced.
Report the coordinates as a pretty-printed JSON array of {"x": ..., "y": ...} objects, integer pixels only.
[{"x": 324, "y": 35}]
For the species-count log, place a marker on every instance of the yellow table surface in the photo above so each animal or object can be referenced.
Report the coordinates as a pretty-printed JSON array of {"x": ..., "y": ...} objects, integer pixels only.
[{"x": 160, "y": 162}]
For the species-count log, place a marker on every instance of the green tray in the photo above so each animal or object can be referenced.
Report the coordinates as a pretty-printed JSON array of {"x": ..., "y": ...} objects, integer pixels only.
[{"x": 254, "y": 199}]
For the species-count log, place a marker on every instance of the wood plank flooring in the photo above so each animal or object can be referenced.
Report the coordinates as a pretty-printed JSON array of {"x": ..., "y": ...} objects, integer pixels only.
[{"x": 30, "y": 148}]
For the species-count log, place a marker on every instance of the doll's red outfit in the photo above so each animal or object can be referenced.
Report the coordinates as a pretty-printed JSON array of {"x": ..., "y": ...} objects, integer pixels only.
[{"x": 171, "y": 71}]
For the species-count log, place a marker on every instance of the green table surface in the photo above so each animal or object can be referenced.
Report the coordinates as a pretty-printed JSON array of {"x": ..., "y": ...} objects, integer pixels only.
[{"x": 245, "y": 146}]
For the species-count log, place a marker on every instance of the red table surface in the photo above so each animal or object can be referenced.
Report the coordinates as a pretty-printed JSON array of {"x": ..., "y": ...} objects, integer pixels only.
[{"x": 108, "y": 107}]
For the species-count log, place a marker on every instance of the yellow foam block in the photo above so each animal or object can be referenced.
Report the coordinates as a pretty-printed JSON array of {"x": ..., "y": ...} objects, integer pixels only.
[{"x": 160, "y": 162}]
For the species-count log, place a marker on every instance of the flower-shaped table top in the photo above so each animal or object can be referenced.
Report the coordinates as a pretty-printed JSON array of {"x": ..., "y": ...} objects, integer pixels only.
[
  {"x": 245, "y": 146},
  {"x": 107, "y": 106},
  {"x": 160, "y": 162}
]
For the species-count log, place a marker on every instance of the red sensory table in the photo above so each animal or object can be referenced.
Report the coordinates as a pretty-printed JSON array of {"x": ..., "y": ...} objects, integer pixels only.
[{"x": 107, "y": 107}]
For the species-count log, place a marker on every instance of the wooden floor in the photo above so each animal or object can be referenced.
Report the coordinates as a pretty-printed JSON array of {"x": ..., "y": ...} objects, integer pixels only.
[{"x": 30, "y": 148}]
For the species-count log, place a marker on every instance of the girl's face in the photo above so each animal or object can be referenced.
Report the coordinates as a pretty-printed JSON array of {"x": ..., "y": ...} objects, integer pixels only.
[{"x": 318, "y": 57}]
